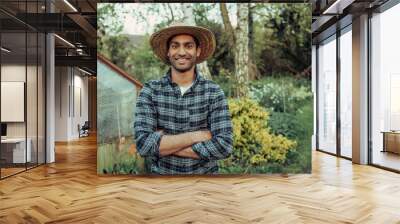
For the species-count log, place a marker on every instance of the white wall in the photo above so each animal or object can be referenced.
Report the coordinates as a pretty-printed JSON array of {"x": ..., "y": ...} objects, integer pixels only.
[
  {"x": 12, "y": 73},
  {"x": 81, "y": 89},
  {"x": 61, "y": 103},
  {"x": 70, "y": 83},
  {"x": 13, "y": 100}
]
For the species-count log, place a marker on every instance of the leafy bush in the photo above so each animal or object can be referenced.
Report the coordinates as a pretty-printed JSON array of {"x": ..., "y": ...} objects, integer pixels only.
[
  {"x": 253, "y": 143},
  {"x": 285, "y": 124},
  {"x": 282, "y": 94},
  {"x": 296, "y": 126},
  {"x": 225, "y": 79},
  {"x": 290, "y": 103},
  {"x": 305, "y": 118}
]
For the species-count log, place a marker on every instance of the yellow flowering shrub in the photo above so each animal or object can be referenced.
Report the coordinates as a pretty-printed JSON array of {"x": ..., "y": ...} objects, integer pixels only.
[{"x": 253, "y": 144}]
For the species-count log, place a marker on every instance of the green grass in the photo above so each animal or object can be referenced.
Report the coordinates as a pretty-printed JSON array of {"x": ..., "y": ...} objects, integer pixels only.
[{"x": 115, "y": 159}]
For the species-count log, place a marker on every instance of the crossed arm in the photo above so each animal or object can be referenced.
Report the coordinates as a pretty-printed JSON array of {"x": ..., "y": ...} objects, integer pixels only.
[
  {"x": 212, "y": 144},
  {"x": 181, "y": 144}
]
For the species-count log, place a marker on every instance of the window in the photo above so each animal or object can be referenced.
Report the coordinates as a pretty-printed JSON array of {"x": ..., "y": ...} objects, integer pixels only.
[
  {"x": 327, "y": 95},
  {"x": 346, "y": 92},
  {"x": 385, "y": 88},
  {"x": 23, "y": 77}
]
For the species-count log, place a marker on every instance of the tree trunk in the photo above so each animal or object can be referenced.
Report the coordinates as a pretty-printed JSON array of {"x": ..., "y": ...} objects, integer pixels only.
[
  {"x": 171, "y": 11},
  {"x": 242, "y": 50},
  {"x": 227, "y": 24},
  {"x": 188, "y": 17},
  {"x": 251, "y": 34},
  {"x": 253, "y": 70},
  {"x": 188, "y": 14}
]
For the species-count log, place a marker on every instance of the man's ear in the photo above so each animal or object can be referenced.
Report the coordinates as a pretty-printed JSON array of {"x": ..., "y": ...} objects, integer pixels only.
[{"x": 198, "y": 51}]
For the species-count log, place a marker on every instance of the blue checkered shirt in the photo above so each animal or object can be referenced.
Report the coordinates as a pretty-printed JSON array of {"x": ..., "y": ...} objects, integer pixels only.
[{"x": 203, "y": 106}]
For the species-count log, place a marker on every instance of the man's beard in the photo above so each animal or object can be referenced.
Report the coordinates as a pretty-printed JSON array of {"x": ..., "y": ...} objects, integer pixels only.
[{"x": 191, "y": 64}]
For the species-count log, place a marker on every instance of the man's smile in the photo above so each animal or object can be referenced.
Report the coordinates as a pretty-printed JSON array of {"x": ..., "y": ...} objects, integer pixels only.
[{"x": 182, "y": 60}]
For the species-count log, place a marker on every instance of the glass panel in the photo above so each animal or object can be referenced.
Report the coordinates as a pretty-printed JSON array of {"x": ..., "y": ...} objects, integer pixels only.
[
  {"x": 385, "y": 89},
  {"x": 17, "y": 9},
  {"x": 116, "y": 102},
  {"x": 346, "y": 93},
  {"x": 22, "y": 63},
  {"x": 327, "y": 96},
  {"x": 31, "y": 97},
  {"x": 41, "y": 99},
  {"x": 13, "y": 87},
  {"x": 313, "y": 83}
]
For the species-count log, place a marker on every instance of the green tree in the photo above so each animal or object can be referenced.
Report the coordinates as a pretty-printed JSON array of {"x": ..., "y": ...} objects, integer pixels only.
[
  {"x": 242, "y": 50},
  {"x": 109, "y": 41},
  {"x": 143, "y": 63},
  {"x": 283, "y": 38}
]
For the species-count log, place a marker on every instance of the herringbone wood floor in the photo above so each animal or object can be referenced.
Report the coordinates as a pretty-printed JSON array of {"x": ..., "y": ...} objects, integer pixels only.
[{"x": 69, "y": 191}]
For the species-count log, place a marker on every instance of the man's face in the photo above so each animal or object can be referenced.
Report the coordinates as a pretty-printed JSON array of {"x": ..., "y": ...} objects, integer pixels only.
[{"x": 183, "y": 52}]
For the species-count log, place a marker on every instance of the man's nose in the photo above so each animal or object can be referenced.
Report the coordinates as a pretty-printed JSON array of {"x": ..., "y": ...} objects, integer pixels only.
[{"x": 181, "y": 51}]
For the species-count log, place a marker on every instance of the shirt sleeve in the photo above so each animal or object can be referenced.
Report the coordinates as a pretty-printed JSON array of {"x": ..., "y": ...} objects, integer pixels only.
[
  {"x": 145, "y": 125},
  {"x": 220, "y": 146}
]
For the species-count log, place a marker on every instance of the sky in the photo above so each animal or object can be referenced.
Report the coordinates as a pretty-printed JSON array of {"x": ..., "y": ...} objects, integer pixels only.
[{"x": 135, "y": 26}]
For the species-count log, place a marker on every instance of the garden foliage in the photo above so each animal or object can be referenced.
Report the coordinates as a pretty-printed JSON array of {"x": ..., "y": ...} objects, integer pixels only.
[{"x": 254, "y": 144}]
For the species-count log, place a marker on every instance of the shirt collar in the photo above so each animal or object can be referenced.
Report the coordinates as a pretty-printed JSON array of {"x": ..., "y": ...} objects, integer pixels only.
[{"x": 197, "y": 78}]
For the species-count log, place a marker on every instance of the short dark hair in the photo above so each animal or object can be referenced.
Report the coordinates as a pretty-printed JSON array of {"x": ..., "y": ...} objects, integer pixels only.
[{"x": 194, "y": 38}]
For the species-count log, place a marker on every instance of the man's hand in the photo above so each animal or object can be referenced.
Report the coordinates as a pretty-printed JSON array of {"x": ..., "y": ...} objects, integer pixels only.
[{"x": 187, "y": 153}]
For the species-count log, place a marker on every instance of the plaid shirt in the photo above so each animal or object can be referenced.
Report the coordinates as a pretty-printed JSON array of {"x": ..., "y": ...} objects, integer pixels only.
[{"x": 203, "y": 106}]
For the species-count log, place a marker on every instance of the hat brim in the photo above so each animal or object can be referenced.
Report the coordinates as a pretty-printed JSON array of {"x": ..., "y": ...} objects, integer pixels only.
[{"x": 205, "y": 37}]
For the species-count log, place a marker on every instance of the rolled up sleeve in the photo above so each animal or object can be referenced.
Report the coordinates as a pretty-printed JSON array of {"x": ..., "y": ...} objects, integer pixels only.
[
  {"x": 145, "y": 125},
  {"x": 220, "y": 146}
]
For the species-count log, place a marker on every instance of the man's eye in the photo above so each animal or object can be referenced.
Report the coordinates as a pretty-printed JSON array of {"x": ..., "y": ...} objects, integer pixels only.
[
  {"x": 189, "y": 46},
  {"x": 174, "y": 46}
]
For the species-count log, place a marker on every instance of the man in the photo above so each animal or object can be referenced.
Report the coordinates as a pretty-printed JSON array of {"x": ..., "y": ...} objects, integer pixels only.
[{"x": 182, "y": 122}]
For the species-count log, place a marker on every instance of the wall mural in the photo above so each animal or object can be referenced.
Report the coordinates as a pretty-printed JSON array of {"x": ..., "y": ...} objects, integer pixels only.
[{"x": 248, "y": 105}]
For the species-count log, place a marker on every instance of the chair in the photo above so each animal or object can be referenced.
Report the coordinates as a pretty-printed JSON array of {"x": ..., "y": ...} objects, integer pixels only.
[{"x": 84, "y": 130}]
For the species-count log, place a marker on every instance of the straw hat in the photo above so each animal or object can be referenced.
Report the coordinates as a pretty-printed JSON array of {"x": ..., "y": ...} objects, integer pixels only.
[{"x": 158, "y": 40}]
